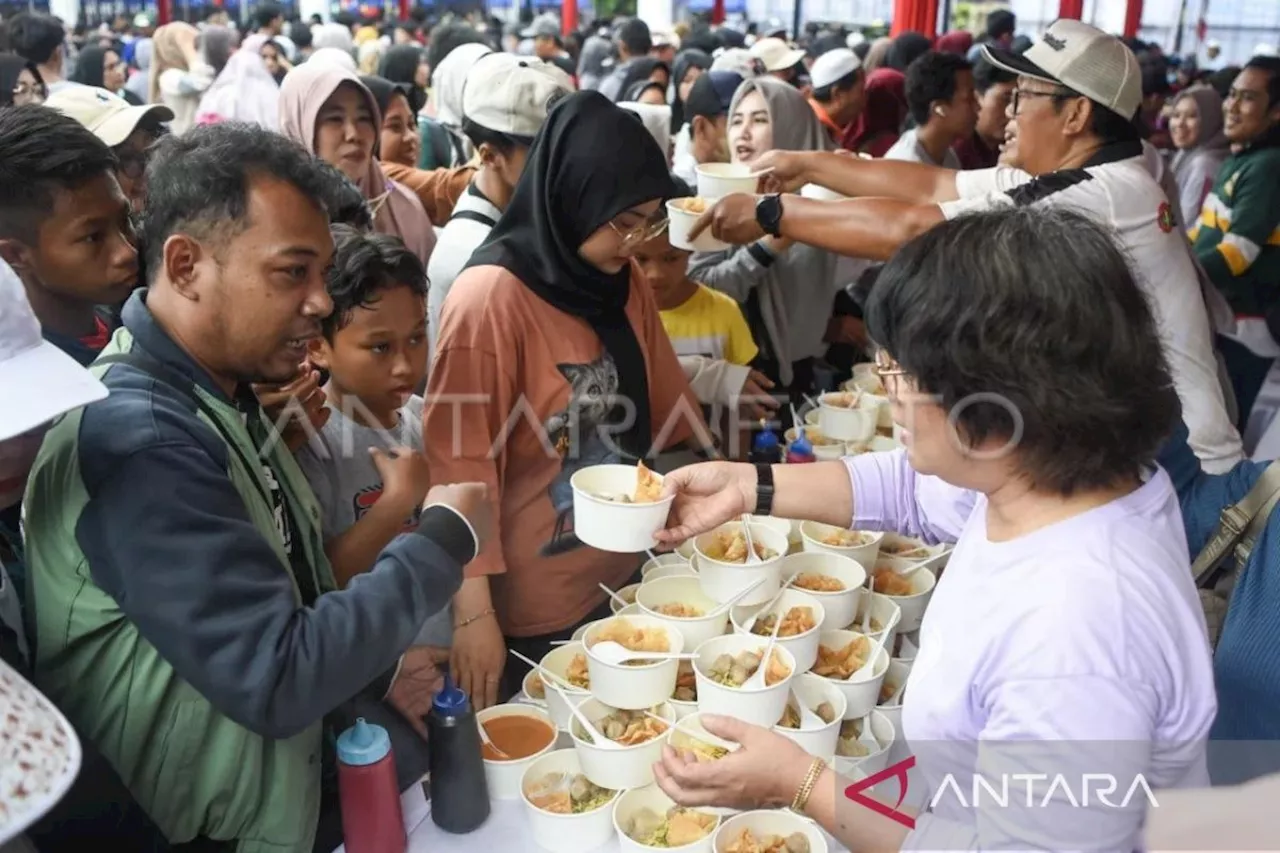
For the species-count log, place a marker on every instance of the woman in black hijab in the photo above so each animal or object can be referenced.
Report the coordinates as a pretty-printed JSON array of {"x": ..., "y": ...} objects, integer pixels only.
[
  {"x": 403, "y": 64},
  {"x": 645, "y": 68},
  {"x": 689, "y": 65},
  {"x": 20, "y": 81},
  {"x": 102, "y": 67}
]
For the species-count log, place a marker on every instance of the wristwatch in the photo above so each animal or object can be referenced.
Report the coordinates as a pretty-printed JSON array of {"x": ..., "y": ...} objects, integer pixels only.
[
  {"x": 764, "y": 489},
  {"x": 769, "y": 214}
]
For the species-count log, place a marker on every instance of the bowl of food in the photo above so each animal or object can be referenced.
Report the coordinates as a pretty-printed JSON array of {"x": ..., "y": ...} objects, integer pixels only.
[
  {"x": 866, "y": 378},
  {"x": 781, "y": 526},
  {"x": 532, "y": 690},
  {"x": 769, "y": 831},
  {"x": 682, "y": 214},
  {"x": 723, "y": 670},
  {"x": 684, "y": 699},
  {"x": 567, "y": 814},
  {"x": 681, "y": 602},
  {"x": 520, "y": 734},
  {"x": 717, "y": 180},
  {"x": 636, "y": 739},
  {"x": 911, "y": 592},
  {"x": 834, "y": 580},
  {"x": 618, "y": 508},
  {"x": 723, "y": 568},
  {"x": 908, "y": 548},
  {"x": 824, "y": 699},
  {"x": 824, "y": 448},
  {"x": 659, "y": 560},
  {"x": 861, "y": 546},
  {"x": 671, "y": 570},
  {"x": 628, "y": 596},
  {"x": 690, "y": 736},
  {"x": 875, "y": 613},
  {"x": 821, "y": 193},
  {"x": 646, "y": 818},
  {"x": 843, "y": 416},
  {"x": 873, "y": 399},
  {"x": 892, "y": 690},
  {"x": 798, "y": 617},
  {"x": 637, "y": 684},
  {"x": 853, "y": 751},
  {"x": 841, "y": 654},
  {"x": 570, "y": 663}
]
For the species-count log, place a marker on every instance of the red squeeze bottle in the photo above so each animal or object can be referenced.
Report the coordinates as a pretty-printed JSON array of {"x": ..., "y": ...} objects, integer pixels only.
[{"x": 370, "y": 795}]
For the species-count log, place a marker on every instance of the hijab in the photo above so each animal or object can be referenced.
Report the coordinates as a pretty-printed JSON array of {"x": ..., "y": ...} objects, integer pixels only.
[
  {"x": 11, "y": 66},
  {"x": 139, "y": 83},
  {"x": 216, "y": 45},
  {"x": 595, "y": 60},
  {"x": 656, "y": 119},
  {"x": 638, "y": 70},
  {"x": 450, "y": 77},
  {"x": 333, "y": 35},
  {"x": 1209, "y": 107},
  {"x": 571, "y": 187},
  {"x": 89, "y": 67},
  {"x": 397, "y": 211},
  {"x": 639, "y": 87},
  {"x": 243, "y": 91},
  {"x": 956, "y": 41},
  {"x": 332, "y": 56},
  {"x": 876, "y": 54},
  {"x": 400, "y": 65},
  {"x": 880, "y": 123},
  {"x": 382, "y": 90},
  {"x": 905, "y": 49},
  {"x": 167, "y": 47},
  {"x": 685, "y": 60}
]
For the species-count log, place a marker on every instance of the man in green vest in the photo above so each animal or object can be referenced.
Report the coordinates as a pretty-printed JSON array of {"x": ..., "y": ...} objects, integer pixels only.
[{"x": 183, "y": 614}]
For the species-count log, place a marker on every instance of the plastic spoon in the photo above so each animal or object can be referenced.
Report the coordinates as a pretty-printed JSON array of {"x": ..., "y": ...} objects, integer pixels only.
[
  {"x": 597, "y": 737},
  {"x": 484, "y": 736},
  {"x": 769, "y": 605},
  {"x": 616, "y": 653},
  {"x": 757, "y": 679},
  {"x": 866, "y": 737},
  {"x": 876, "y": 647},
  {"x": 545, "y": 674},
  {"x": 615, "y": 596},
  {"x": 752, "y": 556},
  {"x": 871, "y": 590},
  {"x": 737, "y": 596},
  {"x": 809, "y": 721}
]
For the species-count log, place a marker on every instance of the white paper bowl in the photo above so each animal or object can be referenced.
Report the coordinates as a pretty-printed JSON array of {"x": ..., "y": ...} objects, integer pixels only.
[
  {"x": 873, "y": 399},
  {"x": 896, "y": 540},
  {"x": 528, "y": 694},
  {"x": 813, "y": 690},
  {"x": 763, "y": 823},
  {"x": 823, "y": 452},
  {"x": 722, "y": 581},
  {"x": 634, "y": 687},
  {"x": 668, "y": 559},
  {"x": 896, "y": 675},
  {"x": 565, "y": 833},
  {"x": 762, "y": 706},
  {"x": 820, "y": 193},
  {"x": 866, "y": 379},
  {"x": 683, "y": 590},
  {"x": 503, "y": 777},
  {"x": 683, "y": 709},
  {"x": 781, "y": 526},
  {"x": 886, "y": 733},
  {"x": 671, "y": 570},
  {"x": 680, "y": 222},
  {"x": 610, "y": 526},
  {"x": 883, "y": 610},
  {"x": 557, "y": 661},
  {"x": 803, "y": 647},
  {"x": 627, "y": 592},
  {"x": 691, "y": 728},
  {"x": 856, "y": 424},
  {"x": 913, "y": 606},
  {"x": 811, "y": 418},
  {"x": 685, "y": 549},
  {"x": 862, "y": 693},
  {"x": 652, "y": 797},
  {"x": 717, "y": 180},
  {"x": 839, "y": 607},
  {"x": 864, "y": 555},
  {"x": 627, "y": 766},
  {"x": 877, "y": 444}
]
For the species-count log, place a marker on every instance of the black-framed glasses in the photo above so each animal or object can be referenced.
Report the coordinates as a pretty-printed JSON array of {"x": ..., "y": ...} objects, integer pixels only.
[{"x": 1020, "y": 93}]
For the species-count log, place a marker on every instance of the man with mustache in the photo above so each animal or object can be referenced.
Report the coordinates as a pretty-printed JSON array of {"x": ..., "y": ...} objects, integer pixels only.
[{"x": 185, "y": 615}]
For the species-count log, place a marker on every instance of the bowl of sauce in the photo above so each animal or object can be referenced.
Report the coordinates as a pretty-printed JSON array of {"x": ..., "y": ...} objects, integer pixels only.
[{"x": 523, "y": 733}]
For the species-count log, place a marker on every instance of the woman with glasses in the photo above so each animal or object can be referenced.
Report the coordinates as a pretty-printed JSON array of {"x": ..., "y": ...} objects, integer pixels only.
[
  {"x": 20, "y": 82},
  {"x": 1065, "y": 647},
  {"x": 550, "y": 358}
]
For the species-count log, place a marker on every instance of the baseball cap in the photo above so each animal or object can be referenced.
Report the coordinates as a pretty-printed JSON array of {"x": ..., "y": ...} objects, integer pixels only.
[
  {"x": 543, "y": 26},
  {"x": 38, "y": 381},
  {"x": 832, "y": 66},
  {"x": 1083, "y": 59},
  {"x": 512, "y": 94},
  {"x": 109, "y": 116},
  {"x": 711, "y": 94},
  {"x": 776, "y": 54},
  {"x": 740, "y": 61}
]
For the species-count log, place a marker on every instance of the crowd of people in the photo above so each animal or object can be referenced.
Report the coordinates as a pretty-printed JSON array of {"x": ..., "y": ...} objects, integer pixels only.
[{"x": 306, "y": 331}]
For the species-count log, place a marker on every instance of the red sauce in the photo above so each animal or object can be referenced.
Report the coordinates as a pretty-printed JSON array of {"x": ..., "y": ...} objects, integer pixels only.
[{"x": 516, "y": 735}]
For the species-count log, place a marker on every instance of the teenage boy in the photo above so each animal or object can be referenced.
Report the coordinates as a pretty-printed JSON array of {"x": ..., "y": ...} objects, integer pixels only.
[
  {"x": 365, "y": 463},
  {"x": 504, "y": 104},
  {"x": 705, "y": 138},
  {"x": 944, "y": 107},
  {"x": 65, "y": 226},
  {"x": 994, "y": 85}
]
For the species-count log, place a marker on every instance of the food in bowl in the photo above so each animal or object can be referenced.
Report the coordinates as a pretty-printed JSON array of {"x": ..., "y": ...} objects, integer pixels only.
[
  {"x": 628, "y": 728},
  {"x": 889, "y": 582},
  {"x": 576, "y": 672},
  {"x": 734, "y": 670},
  {"x": 648, "y": 489},
  {"x": 905, "y": 549},
  {"x": 678, "y": 827},
  {"x": 791, "y": 716},
  {"x": 796, "y": 621},
  {"x": 703, "y": 751},
  {"x": 560, "y": 793},
  {"x": 848, "y": 744},
  {"x": 887, "y": 689},
  {"x": 686, "y": 683},
  {"x": 517, "y": 736},
  {"x": 842, "y": 400},
  {"x": 632, "y": 637},
  {"x": 749, "y": 842},
  {"x": 814, "y": 582},
  {"x": 873, "y": 626},
  {"x": 691, "y": 205},
  {"x": 534, "y": 687},
  {"x": 731, "y": 547},
  {"x": 843, "y": 662},
  {"x": 677, "y": 610},
  {"x": 846, "y": 538}
]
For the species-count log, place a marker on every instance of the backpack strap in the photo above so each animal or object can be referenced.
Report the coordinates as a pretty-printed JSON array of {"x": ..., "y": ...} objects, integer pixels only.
[{"x": 1238, "y": 528}]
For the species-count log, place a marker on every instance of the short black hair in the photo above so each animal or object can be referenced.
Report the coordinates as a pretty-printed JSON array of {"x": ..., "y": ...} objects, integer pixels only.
[
  {"x": 1270, "y": 65},
  {"x": 300, "y": 35},
  {"x": 1222, "y": 79},
  {"x": 364, "y": 264},
  {"x": 35, "y": 37},
  {"x": 1001, "y": 22},
  {"x": 1029, "y": 325},
  {"x": 266, "y": 13},
  {"x": 1154, "y": 71},
  {"x": 43, "y": 152},
  {"x": 848, "y": 81},
  {"x": 504, "y": 142},
  {"x": 445, "y": 39},
  {"x": 987, "y": 74},
  {"x": 634, "y": 35},
  {"x": 199, "y": 182},
  {"x": 931, "y": 77}
]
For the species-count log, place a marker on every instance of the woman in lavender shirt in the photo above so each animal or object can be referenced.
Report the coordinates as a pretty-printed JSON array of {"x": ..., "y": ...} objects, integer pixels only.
[{"x": 1063, "y": 657}]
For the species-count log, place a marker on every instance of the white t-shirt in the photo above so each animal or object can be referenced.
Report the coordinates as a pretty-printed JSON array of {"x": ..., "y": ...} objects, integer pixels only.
[
  {"x": 473, "y": 218},
  {"x": 1124, "y": 195},
  {"x": 908, "y": 148}
]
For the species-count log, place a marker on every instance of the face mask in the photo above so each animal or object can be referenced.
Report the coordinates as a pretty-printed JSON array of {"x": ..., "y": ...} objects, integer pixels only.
[{"x": 17, "y": 455}]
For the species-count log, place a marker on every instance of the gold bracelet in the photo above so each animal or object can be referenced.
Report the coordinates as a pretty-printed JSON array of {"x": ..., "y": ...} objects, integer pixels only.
[
  {"x": 483, "y": 613},
  {"x": 801, "y": 798}
]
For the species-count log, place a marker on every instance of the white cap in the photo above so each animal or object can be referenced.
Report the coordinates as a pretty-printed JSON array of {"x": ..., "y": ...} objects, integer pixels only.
[
  {"x": 740, "y": 61},
  {"x": 832, "y": 66},
  {"x": 38, "y": 381},
  {"x": 108, "y": 116},
  {"x": 776, "y": 54},
  {"x": 512, "y": 94},
  {"x": 1083, "y": 59}
]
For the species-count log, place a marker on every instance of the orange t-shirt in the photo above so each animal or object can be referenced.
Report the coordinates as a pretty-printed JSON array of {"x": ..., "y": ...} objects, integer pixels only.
[{"x": 509, "y": 364}]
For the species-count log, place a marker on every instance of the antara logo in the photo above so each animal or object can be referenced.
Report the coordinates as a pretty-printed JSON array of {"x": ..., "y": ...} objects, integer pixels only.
[{"x": 1054, "y": 42}]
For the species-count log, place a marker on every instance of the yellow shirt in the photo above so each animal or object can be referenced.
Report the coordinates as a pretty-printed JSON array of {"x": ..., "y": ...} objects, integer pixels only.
[{"x": 710, "y": 323}]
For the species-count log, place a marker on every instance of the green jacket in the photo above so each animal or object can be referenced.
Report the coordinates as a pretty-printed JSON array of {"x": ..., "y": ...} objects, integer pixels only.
[{"x": 168, "y": 614}]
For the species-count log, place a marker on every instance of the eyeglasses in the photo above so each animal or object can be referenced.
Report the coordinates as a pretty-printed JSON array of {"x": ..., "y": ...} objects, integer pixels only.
[
  {"x": 646, "y": 230},
  {"x": 1019, "y": 94},
  {"x": 29, "y": 93},
  {"x": 887, "y": 367}
]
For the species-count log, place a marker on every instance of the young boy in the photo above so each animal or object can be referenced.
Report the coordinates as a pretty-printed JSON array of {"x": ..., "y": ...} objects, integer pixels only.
[{"x": 365, "y": 464}]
